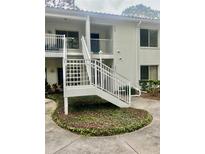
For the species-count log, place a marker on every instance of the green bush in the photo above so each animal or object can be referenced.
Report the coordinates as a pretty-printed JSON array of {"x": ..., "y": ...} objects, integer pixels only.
[
  {"x": 147, "y": 85},
  {"x": 151, "y": 86},
  {"x": 53, "y": 89}
]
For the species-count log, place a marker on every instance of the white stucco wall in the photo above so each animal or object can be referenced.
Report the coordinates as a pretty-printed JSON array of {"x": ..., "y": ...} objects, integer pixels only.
[
  {"x": 124, "y": 44},
  {"x": 126, "y": 39},
  {"x": 125, "y": 36},
  {"x": 149, "y": 55},
  {"x": 52, "y": 64}
]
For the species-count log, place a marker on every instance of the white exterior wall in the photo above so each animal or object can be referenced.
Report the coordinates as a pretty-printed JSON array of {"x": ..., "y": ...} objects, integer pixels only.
[
  {"x": 125, "y": 41},
  {"x": 52, "y": 65},
  {"x": 149, "y": 55}
]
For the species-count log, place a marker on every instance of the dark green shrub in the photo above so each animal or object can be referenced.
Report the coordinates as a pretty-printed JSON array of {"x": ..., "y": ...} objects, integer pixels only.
[
  {"x": 55, "y": 88},
  {"x": 47, "y": 88},
  {"x": 149, "y": 85}
]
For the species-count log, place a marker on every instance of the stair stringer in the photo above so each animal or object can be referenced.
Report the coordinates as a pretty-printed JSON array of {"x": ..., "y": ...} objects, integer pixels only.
[
  {"x": 110, "y": 98},
  {"x": 92, "y": 90}
]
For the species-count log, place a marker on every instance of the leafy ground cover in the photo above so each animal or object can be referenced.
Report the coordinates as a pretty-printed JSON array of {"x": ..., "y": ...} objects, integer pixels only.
[{"x": 94, "y": 116}]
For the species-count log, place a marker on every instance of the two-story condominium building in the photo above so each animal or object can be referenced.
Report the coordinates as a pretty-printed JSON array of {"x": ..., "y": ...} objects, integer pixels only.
[{"x": 100, "y": 54}]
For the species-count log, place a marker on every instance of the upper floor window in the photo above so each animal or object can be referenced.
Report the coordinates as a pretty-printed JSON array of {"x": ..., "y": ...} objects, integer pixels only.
[
  {"x": 72, "y": 38},
  {"x": 148, "y": 38}
]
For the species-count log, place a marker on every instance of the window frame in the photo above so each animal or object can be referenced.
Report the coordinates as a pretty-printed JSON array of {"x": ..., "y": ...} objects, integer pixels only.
[
  {"x": 141, "y": 72},
  {"x": 149, "y": 38},
  {"x": 157, "y": 67}
]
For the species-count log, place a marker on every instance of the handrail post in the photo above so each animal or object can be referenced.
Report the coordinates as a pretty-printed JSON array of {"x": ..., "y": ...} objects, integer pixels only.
[
  {"x": 95, "y": 74},
  {"x": 101, "y": 75}
]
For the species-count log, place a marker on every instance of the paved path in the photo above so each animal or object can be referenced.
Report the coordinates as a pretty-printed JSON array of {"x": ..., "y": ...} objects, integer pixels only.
[{"x": 143, "y": 141}]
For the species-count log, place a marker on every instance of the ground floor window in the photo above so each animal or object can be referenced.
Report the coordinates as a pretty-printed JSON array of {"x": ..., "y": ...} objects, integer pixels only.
[{"x": 149, "y": 72}]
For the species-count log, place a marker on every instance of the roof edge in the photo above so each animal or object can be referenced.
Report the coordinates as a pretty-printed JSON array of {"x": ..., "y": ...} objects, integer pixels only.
[{"x": 98, "y": 14}]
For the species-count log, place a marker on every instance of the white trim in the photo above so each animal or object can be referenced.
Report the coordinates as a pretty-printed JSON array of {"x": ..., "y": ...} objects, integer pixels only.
[
  {"x": 65, "y": 16},
  {"x": 54, "y": 54},
  {"x": 103, "y": 56},
  {"x": 150, "y": 48}
]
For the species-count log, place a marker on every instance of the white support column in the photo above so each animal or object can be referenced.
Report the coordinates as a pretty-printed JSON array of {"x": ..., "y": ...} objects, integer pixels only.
[
  {"x": 64, "y": 75},
  {"x": 87, "y": 32},
  {"x": 65, "y": 105}
]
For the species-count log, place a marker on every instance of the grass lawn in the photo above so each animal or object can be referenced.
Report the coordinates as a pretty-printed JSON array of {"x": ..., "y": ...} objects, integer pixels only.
[{"x": 93, "y": 116}]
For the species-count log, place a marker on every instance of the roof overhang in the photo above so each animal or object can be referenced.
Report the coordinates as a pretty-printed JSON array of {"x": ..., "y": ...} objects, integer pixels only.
[{"x": 81, "y": 15}]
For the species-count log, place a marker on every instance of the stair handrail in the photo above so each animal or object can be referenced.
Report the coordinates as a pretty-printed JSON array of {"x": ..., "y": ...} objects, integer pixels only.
[
  {"x": 137, "y": 88},
  {"x": 111, "y": 69},
  {"x": 121, "y": 86},
  {"x": 86, "y": 53},
  {"x": 87, "y": 57}
]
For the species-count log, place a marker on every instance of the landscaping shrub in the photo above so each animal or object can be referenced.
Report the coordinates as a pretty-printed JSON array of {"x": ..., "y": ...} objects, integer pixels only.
[
  {"x": 96, "y": 117},
  {"x": 53, "y": 89},
  {"x": 151, "y": 86}
]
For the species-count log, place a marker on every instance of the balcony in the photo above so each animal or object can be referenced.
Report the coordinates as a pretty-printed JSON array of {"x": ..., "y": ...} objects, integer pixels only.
[
  {"x": 104, "y": 45},
  {"x": 54, "y": 45}
]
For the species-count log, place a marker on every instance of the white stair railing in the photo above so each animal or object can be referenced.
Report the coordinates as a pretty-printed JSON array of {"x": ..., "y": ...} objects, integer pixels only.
[
  {"x": 86, "y": 55},
  {"x": 137, "y": 89},
  {"x": 81, "y": 72},
  {"x": 106, "y": 79},
  {"x": 102, "y": 77}
]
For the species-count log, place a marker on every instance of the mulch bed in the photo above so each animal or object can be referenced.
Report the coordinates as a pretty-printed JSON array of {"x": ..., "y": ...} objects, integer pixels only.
[
  {"x": 155, "y": 96},
  {"x": 99, "y": 118}
]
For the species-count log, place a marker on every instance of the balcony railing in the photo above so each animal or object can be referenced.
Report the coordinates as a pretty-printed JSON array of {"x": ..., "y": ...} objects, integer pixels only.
[
  {"x": 54, "y": 43},
  {"x": 105, "y": 45}
]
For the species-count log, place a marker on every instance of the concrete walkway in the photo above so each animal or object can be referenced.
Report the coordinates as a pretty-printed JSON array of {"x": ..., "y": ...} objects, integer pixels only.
[{"x": 143, "y": 141}]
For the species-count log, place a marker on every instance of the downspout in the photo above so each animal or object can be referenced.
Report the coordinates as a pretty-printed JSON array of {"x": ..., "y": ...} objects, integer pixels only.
[{"x": 138, "y": 50}]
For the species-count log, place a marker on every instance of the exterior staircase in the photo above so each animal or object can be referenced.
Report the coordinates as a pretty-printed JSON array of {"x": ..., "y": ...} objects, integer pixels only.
[{"x": 83, "y": 77}]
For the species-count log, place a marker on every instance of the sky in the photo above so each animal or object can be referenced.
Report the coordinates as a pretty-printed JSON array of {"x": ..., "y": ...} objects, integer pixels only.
[{"x": 114, "y": 6}]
